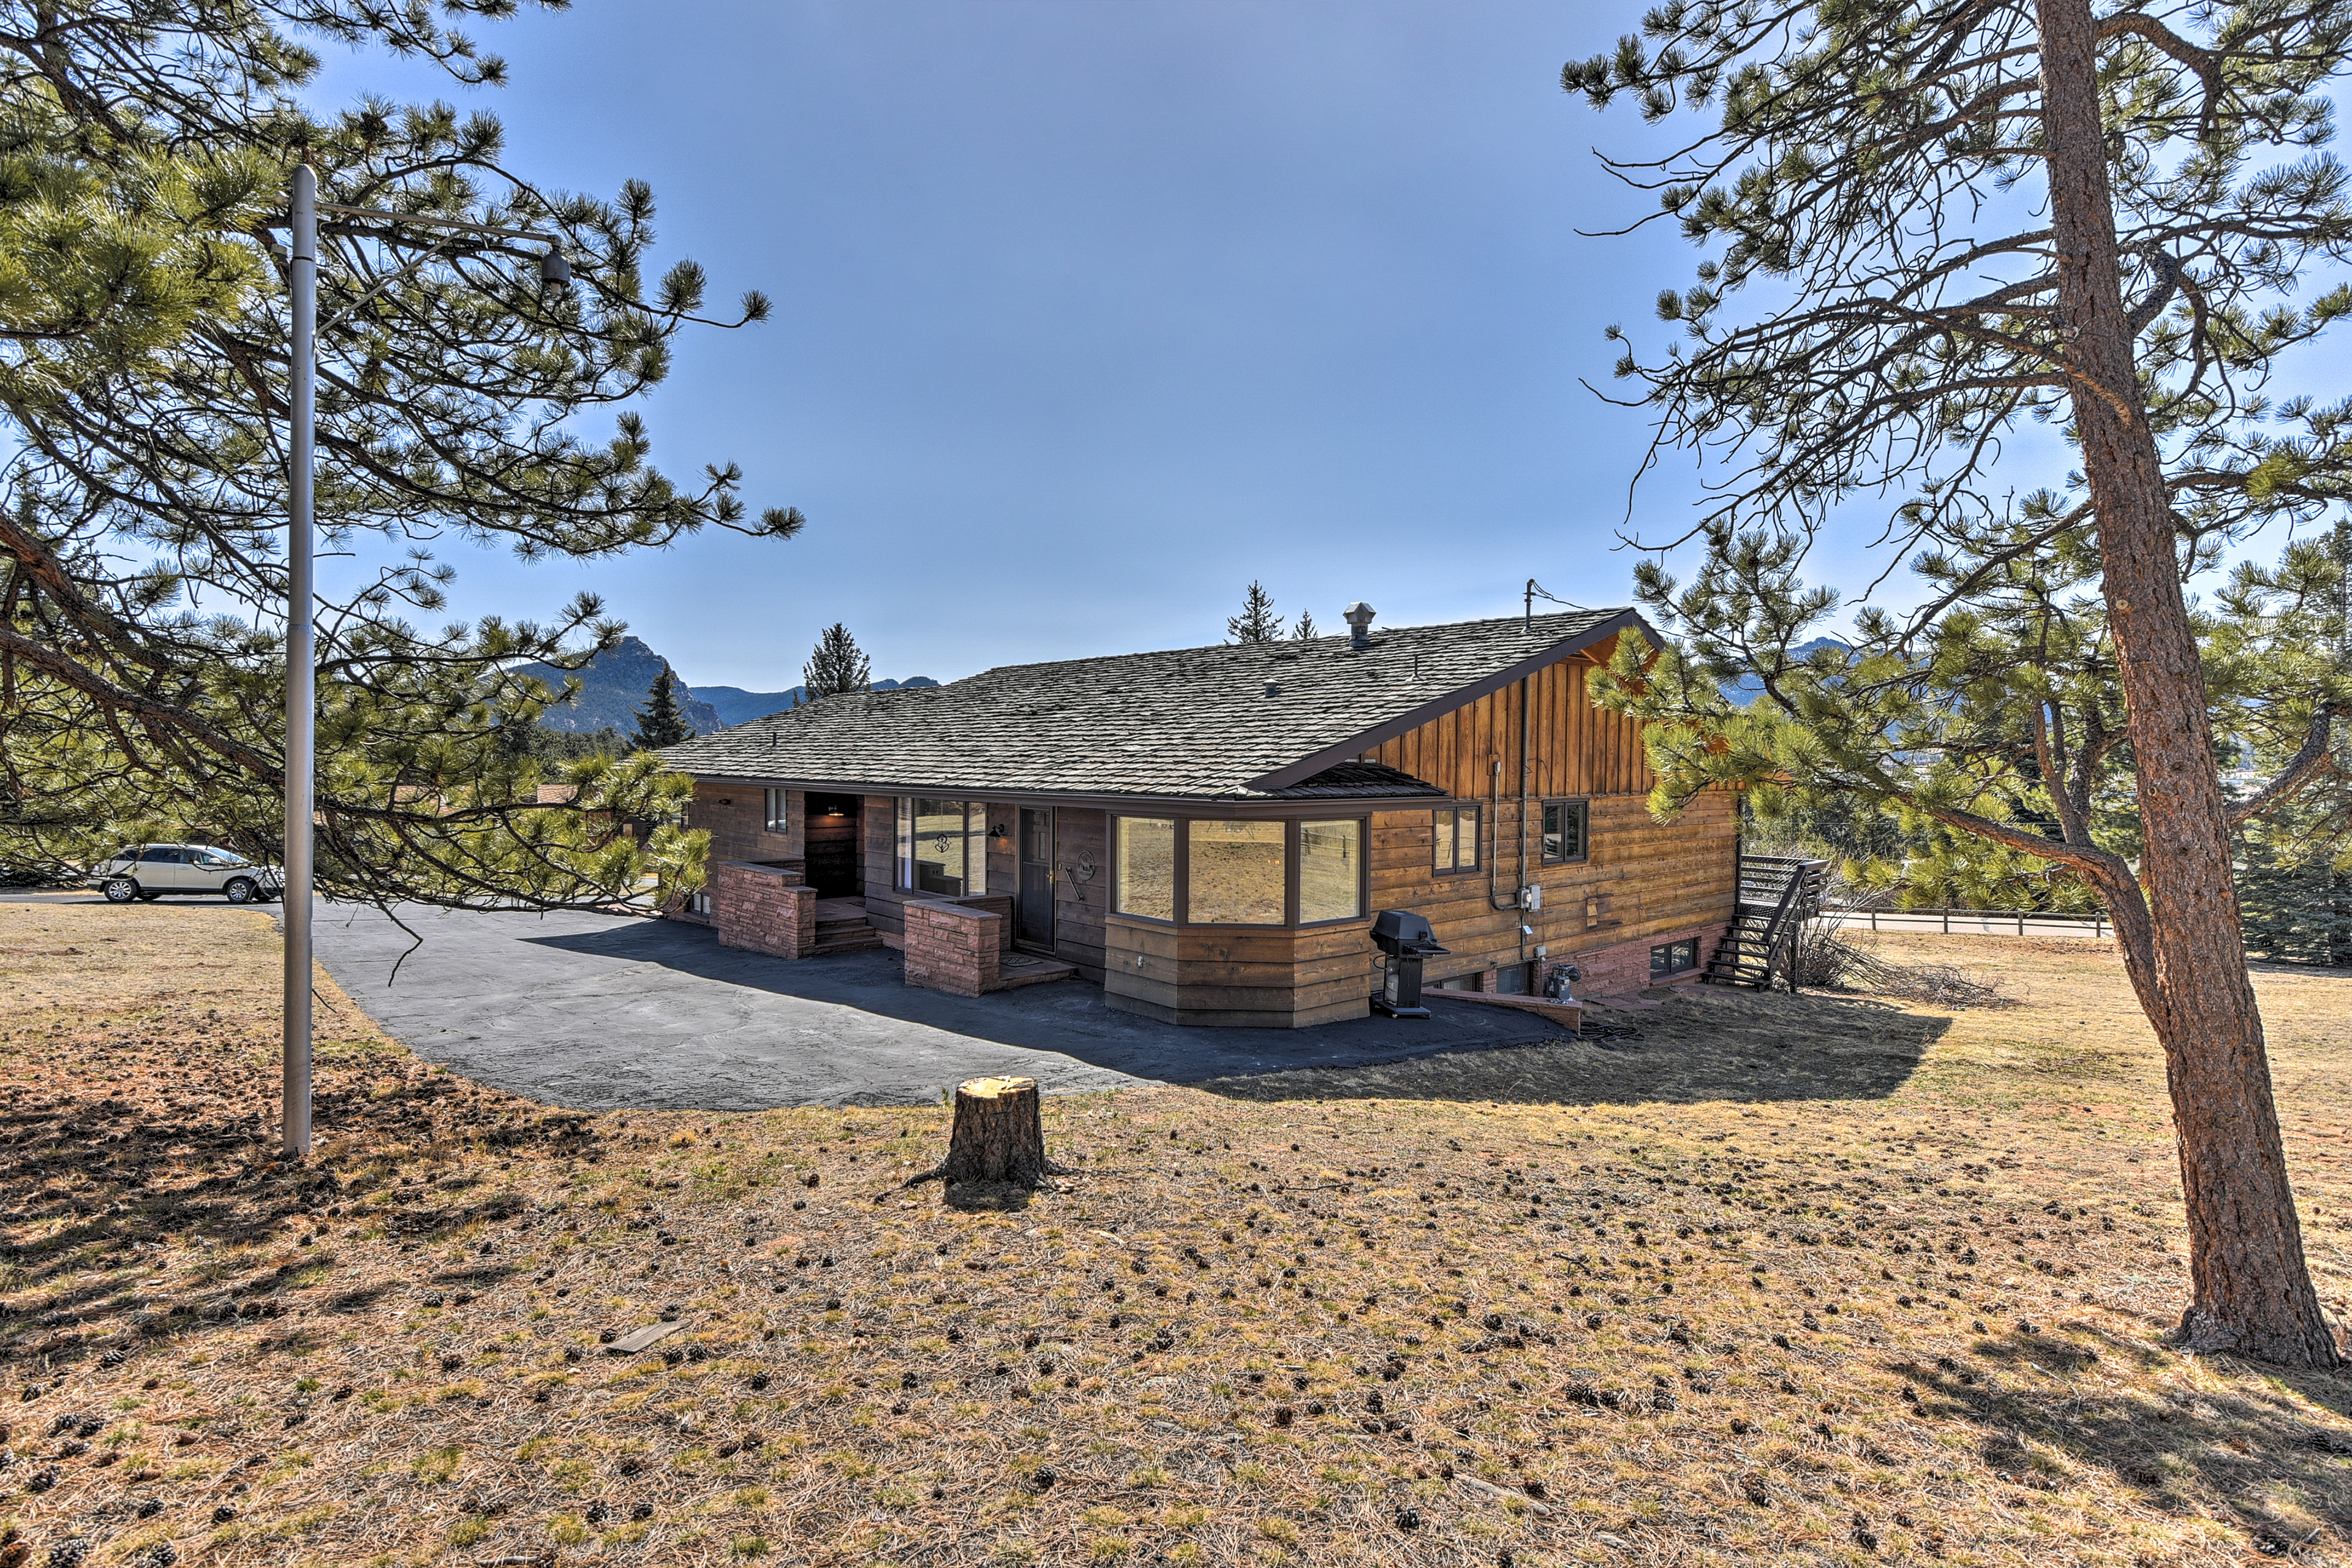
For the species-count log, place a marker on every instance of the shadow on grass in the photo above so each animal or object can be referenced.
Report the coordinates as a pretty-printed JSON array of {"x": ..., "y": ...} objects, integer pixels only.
[
  {"x": 1754, "y": 1046},
  {"x": 2250, "y": 1451}
]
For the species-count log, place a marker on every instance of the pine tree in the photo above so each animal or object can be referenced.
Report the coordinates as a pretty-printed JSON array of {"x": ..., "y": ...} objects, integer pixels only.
[
  {"x": 1305, "y": 631},
  {"x": 836, "y": 666},
  {"x": 1257, "y": 622},
  {"x": 659, "y": 721},
  {"x": 143, "y": 402},
  {"x": 1964, "y": 220}
]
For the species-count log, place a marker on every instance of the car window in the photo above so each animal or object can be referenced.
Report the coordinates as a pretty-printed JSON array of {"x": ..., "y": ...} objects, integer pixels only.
[
  {"x": 165, "y": 855},
  {"x": 216, "y": 857}
]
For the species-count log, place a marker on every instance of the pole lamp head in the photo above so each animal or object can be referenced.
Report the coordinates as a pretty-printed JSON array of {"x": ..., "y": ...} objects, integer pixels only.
[{"x": 555, "y": 272}]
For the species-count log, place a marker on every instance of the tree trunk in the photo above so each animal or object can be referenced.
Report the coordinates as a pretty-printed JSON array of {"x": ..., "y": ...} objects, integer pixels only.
[
  {"x": 996, "y": 1136},
  {"x": 2252, "y": 1291}
]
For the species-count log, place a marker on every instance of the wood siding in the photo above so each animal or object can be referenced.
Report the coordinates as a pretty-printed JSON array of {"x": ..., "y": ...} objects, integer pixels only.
[
  {"x": 1278, "y": 977},
  {"x": 1647, "y": 879},
  {"x": 880, "y": 817},
  {"x": 1078, "y": 905},
  {"x": 1574, "y": 748}
]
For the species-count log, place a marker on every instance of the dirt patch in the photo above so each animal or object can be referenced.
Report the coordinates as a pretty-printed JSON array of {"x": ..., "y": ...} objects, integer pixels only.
[{"x": 1812, "y": 1280}]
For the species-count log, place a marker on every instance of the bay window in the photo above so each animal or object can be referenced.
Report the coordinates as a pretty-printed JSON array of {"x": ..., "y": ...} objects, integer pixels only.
[{"x": 1245, "y": 871}]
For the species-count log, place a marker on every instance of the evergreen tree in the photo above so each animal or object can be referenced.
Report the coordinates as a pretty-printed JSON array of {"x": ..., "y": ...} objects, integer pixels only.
[
  {"x": 1257, "y": 622},
  {"x": 1305, "y": 630},
  {"x": 142, "y": 399},
  {"x": 837, "y": 667},
  {"x": 1964, "y": 218},
  {"x": 659, "y": 722}
]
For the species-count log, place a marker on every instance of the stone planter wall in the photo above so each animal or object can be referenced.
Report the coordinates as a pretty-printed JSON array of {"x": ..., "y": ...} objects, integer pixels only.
[
  {"x": 954, "y": 947},
  {"x": 762, "y": 909}
]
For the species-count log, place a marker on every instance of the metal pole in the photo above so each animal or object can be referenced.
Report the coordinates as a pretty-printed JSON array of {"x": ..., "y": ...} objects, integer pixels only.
[{"x": 300, "y": 676}]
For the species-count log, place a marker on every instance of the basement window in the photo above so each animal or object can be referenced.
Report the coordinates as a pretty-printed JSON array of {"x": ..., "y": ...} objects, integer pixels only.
[{"x": 1673, "y": 958}]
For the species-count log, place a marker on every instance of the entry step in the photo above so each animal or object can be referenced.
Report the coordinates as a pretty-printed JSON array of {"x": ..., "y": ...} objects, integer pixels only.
[{"x": 1027, "y": 969}]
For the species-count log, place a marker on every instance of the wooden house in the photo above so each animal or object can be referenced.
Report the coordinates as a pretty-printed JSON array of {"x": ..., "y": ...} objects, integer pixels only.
[{"x": 1206, "y": 833}]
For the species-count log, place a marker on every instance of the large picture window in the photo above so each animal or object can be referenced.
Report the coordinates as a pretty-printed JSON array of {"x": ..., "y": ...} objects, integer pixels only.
[
  {"x": 1457, "y": 838},
  {"x": 1233, "y": 873},
  {"x": 1330, "y": 871},
  {"x": 1564, "y": 825},
  {"x": 942, "y": 846},
  {"x": 1143, "y": 866}
]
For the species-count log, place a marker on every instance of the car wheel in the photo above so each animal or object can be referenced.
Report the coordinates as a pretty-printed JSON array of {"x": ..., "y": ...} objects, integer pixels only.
[
  {"x": 240, "y": 890},
  {"x": 120, "y": 890}
]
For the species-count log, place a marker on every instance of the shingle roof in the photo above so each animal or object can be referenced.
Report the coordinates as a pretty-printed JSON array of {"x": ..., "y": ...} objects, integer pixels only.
[{"x": 1235, "y": 721}]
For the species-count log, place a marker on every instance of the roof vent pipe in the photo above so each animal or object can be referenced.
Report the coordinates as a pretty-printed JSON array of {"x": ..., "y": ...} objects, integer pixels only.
[{"x": 1358, "y": 616}]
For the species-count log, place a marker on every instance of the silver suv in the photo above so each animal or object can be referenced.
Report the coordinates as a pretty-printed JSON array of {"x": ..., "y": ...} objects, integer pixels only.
[{"x": 151, "y": 870}]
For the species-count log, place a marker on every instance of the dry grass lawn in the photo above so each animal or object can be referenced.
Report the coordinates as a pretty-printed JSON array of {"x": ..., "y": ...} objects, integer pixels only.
[{"x": 1812, "y": 1280}]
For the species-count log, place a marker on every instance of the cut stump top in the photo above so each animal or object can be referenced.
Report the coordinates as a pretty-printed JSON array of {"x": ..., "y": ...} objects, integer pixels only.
[{"x": 994, "y": 1088}]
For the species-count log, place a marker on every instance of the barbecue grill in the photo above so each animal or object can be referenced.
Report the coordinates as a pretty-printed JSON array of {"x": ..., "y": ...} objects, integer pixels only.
[{"x": 1405, "y": 940}]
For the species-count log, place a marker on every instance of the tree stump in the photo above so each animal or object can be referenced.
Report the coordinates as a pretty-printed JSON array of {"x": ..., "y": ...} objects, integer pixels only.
[{"x": 996, "y": 1137}]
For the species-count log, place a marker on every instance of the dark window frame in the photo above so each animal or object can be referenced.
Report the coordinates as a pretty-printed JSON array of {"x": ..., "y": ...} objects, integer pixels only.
[
  {"x": 1290, "y": 878},
  {"x": 1582, "y": 808},
  {"x": 1659, "y": 971},
  {"x": 1182, "y": 845},
  {"x": 1176, "y": 878},
  {"x": 1477, "y": 813},
  {"x": 1298, "y": 853},
  {"x": 904, "y": 872}
]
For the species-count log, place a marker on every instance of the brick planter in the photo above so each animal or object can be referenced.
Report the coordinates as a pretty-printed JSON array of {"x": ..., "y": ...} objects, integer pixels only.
[
  {"x": 762, "y": 909},
  {"x": 953, "y": 948}
]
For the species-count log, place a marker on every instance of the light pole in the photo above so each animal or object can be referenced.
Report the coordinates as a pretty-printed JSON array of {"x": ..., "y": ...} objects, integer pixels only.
[{"x": 301, "y": 653}]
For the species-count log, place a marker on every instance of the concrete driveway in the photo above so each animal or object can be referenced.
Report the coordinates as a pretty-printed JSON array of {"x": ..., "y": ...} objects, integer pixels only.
[{"x": 603, "y": 1013}]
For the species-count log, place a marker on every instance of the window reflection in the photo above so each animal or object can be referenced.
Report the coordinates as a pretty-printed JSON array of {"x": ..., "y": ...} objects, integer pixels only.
[
  {"x": 1143, "y": 868},
  {"x": 1234, "y": 872},
  {"x": 1331, "y": 863}
]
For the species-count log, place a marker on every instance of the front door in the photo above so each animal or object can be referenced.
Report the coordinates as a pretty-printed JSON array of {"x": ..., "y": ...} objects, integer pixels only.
[{"x": 1033, "y": 922}]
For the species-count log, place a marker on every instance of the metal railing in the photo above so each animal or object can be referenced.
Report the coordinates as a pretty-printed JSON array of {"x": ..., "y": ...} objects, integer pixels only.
[{"x": 1974, "y": 922}]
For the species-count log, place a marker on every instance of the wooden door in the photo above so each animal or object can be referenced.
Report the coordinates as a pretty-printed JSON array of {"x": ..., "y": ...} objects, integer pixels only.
[{"x": 1033, "y": 918}]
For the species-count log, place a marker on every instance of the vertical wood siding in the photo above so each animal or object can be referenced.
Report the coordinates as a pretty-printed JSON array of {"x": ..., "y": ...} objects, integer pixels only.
[{"x": 1575, "y": 749}]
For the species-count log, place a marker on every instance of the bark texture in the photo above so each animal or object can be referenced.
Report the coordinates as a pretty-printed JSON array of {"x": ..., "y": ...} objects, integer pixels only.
[
  {"x": 997, "y": 1136},
  {"x": 2251, "y": 1290}
]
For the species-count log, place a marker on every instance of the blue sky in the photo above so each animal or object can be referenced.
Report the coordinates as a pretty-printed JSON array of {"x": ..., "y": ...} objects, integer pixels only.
[{"x": 1086, "y": 314}]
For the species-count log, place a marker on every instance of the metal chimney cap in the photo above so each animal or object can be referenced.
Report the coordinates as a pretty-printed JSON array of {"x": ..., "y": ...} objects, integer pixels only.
[{"x": 1358, "y": 616}]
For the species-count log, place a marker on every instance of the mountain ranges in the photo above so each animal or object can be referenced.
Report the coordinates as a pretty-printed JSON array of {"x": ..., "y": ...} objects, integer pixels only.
[{"x": 613, "y": 686}]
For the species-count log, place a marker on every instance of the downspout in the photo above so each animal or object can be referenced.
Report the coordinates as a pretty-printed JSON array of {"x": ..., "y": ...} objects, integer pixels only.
[{"x": 1494, "y": 834}]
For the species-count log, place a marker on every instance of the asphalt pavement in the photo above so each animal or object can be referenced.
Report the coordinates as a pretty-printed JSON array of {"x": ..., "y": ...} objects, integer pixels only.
[{"x": 601, "y": 1013}]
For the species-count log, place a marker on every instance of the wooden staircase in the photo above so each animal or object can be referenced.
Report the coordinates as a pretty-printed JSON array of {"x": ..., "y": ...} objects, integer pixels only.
[
  {"x": 1777, "y": 895},
  {"x": 841, "y": 927}
]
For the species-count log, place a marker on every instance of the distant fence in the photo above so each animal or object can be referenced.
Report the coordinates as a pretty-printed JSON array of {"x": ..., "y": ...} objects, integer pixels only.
[{"x": 1973, "y": 922}]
